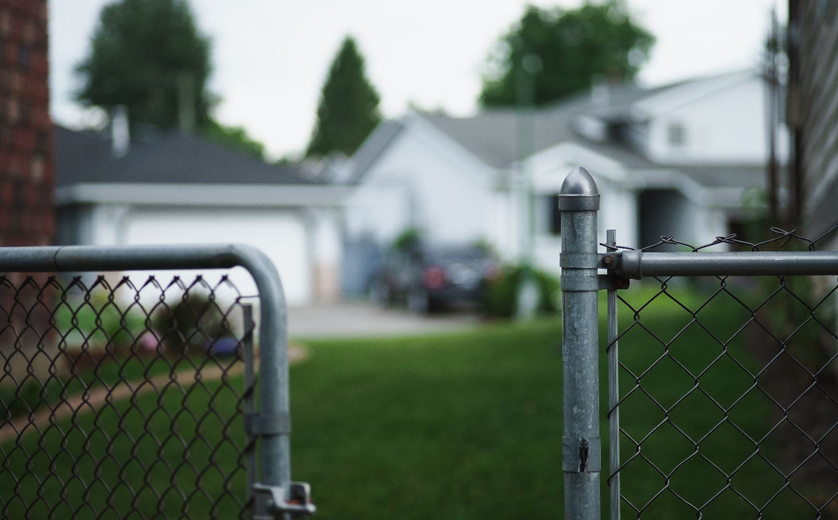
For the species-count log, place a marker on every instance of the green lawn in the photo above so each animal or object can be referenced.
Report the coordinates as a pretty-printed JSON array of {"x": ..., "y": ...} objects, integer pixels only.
[
  {"x": 692, "y": 421},
  {"x": 455, "y": 426}
]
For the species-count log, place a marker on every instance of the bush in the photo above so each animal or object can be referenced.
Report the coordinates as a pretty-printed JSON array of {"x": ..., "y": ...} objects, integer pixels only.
[
  {"x": 99, "y": 322},
  {"x": 408, "y": 239},
  {"x": 193, "y": 322},
  {"x": 501, "y": 299}
]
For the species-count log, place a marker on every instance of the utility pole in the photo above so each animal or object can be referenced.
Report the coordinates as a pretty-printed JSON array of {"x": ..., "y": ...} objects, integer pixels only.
[{"x": 528, "y": 291}]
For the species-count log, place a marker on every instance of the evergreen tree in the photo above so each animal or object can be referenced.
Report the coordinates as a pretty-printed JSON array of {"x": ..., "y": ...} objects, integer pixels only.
[
  {"x": 149, "y": 56},
  {"x": 569, "y": 48},
  {"x": 348, "y": 108}
]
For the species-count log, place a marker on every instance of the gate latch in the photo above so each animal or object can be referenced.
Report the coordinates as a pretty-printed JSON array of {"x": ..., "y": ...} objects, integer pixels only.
[
  {"x": 583, "y": 455},
  {"x": 271, "y": 503}
]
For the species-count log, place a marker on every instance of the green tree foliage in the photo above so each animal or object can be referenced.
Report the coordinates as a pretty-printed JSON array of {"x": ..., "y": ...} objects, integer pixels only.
[
  {"x": 572, "y": 46},
  {"x": 348, "y": 109},
  {"x": 149, "y": 56},
  {"x": 234, "y": 137}
]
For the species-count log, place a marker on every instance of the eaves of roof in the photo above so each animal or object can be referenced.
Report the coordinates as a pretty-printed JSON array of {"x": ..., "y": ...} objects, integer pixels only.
[{"x": 201, "y": 195}]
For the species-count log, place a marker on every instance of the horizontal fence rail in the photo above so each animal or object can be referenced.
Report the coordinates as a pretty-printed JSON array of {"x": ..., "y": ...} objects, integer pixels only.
[
  {"x": 639, "y": 264},
  {"x": 133, "y": 396}
]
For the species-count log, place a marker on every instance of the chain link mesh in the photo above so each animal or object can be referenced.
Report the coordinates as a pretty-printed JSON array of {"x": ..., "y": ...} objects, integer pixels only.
[
  {"x": 123, "y": 398},
  {"x": 728, "y": 401}
]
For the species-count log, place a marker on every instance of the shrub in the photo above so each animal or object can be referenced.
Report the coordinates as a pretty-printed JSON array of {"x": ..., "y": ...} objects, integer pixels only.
[
  {"x": 408, "y": 239},
  {"x": 193, "y": 322},
  {"x": 501, "y": 299}
]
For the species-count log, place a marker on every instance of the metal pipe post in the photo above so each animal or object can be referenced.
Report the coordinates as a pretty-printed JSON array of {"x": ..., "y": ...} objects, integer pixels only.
[
  {"x": 581, "y": 451},
  {"x": 249, "y": 397},
  {"x": 613, "y": 390}
]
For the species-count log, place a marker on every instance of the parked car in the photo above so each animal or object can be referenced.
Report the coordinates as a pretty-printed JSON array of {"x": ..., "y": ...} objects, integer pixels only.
[{"x": 426, "y": 278}]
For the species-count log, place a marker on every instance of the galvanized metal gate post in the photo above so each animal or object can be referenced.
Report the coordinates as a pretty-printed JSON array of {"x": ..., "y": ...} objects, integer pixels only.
[{"x": 581, "y": 452}]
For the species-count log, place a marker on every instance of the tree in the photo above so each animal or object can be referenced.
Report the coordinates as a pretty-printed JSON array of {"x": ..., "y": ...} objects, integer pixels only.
[
  {"x": 563, "y": 51},
  {"x": 149, "y": 56},
  {"x": 234, "y": 137},
  {"x": 348, "y": 108}
]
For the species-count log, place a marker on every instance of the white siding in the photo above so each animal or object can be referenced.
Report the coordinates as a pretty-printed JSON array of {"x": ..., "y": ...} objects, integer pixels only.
[
  {"x": 728, "y": 125},
  {"x": 417, "y": 184},
  {"x": 279, "y": 234}
]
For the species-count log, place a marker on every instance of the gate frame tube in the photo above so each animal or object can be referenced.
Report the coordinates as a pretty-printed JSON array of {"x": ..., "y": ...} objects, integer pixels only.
[
  {"x": 581, "y": 450},
  {"x": 637, "y": 264},
  {"x": 273, "y": 326}
]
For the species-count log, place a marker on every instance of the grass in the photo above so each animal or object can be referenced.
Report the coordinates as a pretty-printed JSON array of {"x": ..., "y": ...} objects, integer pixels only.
[
  {"x": 34, "y": 394},
  {"x": 460, "y": 426},
  {"x": 167, "y": 454}
]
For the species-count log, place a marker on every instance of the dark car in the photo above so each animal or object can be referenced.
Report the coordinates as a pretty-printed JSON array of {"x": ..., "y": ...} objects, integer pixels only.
[{"x": 426, "y": 278}]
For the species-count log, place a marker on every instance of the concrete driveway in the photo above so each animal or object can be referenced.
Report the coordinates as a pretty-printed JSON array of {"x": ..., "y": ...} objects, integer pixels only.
[{"x": 356, "y": 319}]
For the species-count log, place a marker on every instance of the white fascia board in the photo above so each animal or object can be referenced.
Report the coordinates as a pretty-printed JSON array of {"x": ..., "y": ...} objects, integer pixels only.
[
  {"x": 613, "y": 171},
  {"x": 235, "y": 195},
  {"x": 570, "y": 154},
  {"x": 440, "y": 142}
]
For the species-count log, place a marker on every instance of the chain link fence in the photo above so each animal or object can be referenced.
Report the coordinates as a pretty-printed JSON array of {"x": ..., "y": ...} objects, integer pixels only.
[
  {"x": 721, "y": 373},
  {"x": 132, "y": 396},
  {"x": 727, "y": 402},
  {"x": 123, "y": 398}
]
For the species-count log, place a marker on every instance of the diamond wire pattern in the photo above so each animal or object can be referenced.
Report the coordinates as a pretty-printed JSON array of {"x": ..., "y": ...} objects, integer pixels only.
[
  {"x": 122, "y": 399},
  {"x": 728, "y": 395}
]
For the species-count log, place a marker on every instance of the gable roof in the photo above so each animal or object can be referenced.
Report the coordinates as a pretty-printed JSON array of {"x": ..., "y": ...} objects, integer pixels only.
[
  {"x": 380, "y": 139},
  {"x": 493, "y": 135},
  {"x": 172, "y": 157}
]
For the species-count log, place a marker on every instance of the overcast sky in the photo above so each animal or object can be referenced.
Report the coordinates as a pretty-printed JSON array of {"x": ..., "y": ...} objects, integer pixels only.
[{"x": 271, "y": 56}]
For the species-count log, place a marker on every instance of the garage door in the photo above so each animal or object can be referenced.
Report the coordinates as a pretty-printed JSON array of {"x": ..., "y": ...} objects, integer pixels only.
[{"x": 281, "y": 235}]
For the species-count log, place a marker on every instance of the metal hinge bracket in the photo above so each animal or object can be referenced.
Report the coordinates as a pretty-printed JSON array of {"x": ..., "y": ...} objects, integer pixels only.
[
  {"x": 612, "y": 282},
  {"x": 272, "y": 504}
]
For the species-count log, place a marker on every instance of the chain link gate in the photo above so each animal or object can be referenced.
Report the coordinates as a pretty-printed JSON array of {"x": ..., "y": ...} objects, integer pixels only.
[
  {"x": 129, "y": 396},
  {"x": 722, "y": 395}
]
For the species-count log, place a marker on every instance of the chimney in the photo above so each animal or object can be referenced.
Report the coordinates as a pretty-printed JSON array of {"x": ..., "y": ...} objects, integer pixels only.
[
  {"x": 186, "y": 101},
  {"x": 120, "y": 131}
]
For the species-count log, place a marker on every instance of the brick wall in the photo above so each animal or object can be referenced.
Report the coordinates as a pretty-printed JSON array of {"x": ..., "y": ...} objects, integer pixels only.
[{"x": 27, "y": 216}]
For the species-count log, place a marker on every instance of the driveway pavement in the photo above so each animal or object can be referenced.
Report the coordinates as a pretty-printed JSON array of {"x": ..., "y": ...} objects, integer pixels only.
[{"x": 356, "y": 319}]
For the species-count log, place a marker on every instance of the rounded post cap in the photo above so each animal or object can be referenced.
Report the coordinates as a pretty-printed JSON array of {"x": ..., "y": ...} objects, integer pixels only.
[
  {"x": 579, "y": 192},
  {"x": 579, "y": 182}
]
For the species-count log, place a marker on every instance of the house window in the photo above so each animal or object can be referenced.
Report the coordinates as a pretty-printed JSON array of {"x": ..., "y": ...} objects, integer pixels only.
[{"x": 676, "y": 134}]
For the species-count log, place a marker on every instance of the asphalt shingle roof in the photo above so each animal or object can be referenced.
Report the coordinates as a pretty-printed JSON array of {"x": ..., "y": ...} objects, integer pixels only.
[
  {"x": 492, "y": 135},
  {"x": 169, "y": 158},
  {"x": 725, "y": 175}
]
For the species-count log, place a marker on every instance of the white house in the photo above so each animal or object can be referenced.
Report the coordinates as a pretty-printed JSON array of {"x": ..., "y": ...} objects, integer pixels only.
[
  {"x": 676, "y": 160},
  {"x": 174, "y": 188}
]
